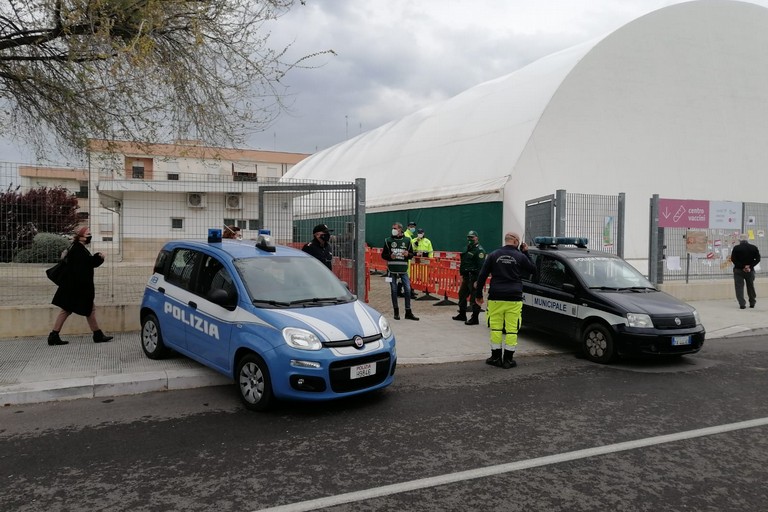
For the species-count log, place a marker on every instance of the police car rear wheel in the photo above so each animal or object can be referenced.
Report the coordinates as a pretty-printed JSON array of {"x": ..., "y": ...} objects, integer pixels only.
[
  {"x": 151, "y": 338},
  {"x": 253, "y": 383},
  {"x": 597, "y": 343}
]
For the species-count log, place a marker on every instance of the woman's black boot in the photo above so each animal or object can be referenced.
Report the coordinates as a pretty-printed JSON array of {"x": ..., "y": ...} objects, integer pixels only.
[
  {"x": 54, "y": 339},
  {"x": 99, "y": 337}
]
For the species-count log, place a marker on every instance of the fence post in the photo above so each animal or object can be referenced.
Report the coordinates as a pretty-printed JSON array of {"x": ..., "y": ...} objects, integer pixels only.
[
  {"x": 653, "y": 241},
  {"x": 560, "y": 212},
  {"x": 622, "y": 201},
  {"x": 360, "y": 273}
]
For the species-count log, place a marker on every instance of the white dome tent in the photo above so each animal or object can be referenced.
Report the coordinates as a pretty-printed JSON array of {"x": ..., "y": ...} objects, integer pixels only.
[{"x": 673, "y": 103}]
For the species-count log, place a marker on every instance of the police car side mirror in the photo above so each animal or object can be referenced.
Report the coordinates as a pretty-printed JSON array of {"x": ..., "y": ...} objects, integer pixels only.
[{"x": 221, "y": 297}]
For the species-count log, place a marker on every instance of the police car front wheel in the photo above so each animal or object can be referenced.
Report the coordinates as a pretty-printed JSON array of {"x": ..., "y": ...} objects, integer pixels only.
[
  {"x": 151, "y": 338},
  {"x": 254, "y": 385},
  {"x": 598, "y": 344}
]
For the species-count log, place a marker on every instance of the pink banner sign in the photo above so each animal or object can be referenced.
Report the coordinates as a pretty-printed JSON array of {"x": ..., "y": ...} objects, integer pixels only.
[{"x": 683, "y": 213}]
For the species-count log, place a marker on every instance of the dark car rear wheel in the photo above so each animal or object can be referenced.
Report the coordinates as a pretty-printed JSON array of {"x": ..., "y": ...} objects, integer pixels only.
[
  {"x": 254, "y": 385},
  {"x": 597, "y": 344},
  {"x": 151, "y": 338}
]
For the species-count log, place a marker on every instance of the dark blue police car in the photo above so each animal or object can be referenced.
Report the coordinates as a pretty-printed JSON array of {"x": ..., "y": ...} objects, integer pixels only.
[
  {"x": 605, "y": 303},
  {"x": 272, "y": 318}
]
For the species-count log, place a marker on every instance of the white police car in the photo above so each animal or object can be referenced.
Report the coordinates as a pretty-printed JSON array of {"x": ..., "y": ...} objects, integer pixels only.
[
  {"x": 272, "y": 318},
  {"x": 605, "y": 303}
]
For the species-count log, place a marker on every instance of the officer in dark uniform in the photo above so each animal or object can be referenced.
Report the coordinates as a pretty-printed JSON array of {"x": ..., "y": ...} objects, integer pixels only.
[
  {"x": 472, "y": 260},
  {"x": 320, "y": 246}
]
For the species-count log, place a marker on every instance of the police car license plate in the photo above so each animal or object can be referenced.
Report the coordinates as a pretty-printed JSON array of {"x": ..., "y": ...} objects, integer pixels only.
[
  {"x": 681, "y": 340},
  {"x": 362, "y": 370}
]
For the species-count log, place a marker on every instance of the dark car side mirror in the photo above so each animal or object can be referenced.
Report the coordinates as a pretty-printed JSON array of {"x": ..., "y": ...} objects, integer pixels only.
[{"x": 222, "y": 298}]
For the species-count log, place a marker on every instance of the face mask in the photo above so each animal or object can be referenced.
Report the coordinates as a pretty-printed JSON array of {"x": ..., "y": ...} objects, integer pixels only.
[
  {"x": 325, "y": 237},
  {"x": 88, "y": 239},
  {"x": 395, "y": 232},
  {"x": 412, "y": 230},
  {"x": 421, "y": 235}
]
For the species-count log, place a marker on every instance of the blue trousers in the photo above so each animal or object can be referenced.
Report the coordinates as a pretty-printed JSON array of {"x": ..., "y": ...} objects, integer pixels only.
[{"x": 406, "y": 285}]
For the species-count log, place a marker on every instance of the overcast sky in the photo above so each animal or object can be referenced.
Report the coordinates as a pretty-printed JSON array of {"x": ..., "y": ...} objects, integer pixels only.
[{"x": 397, "y": 56}]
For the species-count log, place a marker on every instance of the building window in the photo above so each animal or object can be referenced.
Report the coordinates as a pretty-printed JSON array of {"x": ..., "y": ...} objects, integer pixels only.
[
  {"x": 173, "y": 176},
  {"x": 229, "y": 222},
  {"x": 244, "y": 176},
  {"x": 82, "y": 215},
  {"x": 253, "y": 224},
  {"x": 83, "y": 193},
  {"x": 137, "y": 170},
  {"x": 177, "y": 223}
]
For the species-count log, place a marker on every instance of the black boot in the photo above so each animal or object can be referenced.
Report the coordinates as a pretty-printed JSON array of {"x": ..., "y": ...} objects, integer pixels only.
[
  {"x": 461, "y": 317},
  {"x": 99, "y": 337},
  {"x": 495, "y": 359},
  {"x": 472, "y": 320},
  {"x": 509, "y": 361},
  {"x": 397, "y": 313},
  {"x": 54, "y": 339},
  {"x": 409, "y": 315}
]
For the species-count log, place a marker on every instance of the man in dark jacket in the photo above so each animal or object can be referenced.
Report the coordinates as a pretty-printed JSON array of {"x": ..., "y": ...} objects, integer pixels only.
[
  {"x": 398, "y": 252},
  {"x": 320, "y": 246},
  {"x": 471, "y": 261},
  {"x": 505, "y": 297},
  {"x": 744, "y": 258}
]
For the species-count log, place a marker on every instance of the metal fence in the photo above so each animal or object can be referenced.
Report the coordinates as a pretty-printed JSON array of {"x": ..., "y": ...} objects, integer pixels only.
[
  {"x": 132, "y": 217},
  {"x": 675, "y": 262},
  {"x": 599, "y": 218}
]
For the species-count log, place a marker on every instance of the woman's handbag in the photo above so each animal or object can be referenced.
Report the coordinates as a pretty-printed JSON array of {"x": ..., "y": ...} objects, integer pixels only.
[{"x": 56, "y": 272}]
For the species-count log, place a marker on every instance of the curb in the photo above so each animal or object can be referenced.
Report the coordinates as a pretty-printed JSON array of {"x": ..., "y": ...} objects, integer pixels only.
[{"x": 109, "y": 385}]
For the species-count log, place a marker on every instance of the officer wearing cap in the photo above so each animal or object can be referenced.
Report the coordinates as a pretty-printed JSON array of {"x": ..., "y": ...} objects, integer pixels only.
[
  {"x": 422, "y": 246},
  {"x": 472, "y": 260},
  {"x": 409, "y": 234},
  {"x": 320, "y": 246}
]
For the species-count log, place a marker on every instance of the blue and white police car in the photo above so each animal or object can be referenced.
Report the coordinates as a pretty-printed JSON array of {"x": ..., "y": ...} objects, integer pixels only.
[
  {"x": 605, "y": 303},
  {"x": 272, "y": 318}
]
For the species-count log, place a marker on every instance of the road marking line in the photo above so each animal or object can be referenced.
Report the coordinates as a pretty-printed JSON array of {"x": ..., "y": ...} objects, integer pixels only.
[{"x": 472, "y": 474}]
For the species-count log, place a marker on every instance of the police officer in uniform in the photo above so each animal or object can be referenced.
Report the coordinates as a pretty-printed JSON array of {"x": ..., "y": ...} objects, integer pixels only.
[
  {"x": 320, "y": 246},
  {"x": 398, "y": 252},
  {"x": 422, "y": 246},
  {"x": 472, "y": 260},
  {"x": 507, "y": 265},
  {"x": 409, "y": 233}
]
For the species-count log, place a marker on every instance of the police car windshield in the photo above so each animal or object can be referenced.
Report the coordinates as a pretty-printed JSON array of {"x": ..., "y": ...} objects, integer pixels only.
[
  {"x": 290, "y": 281},
  {"x": 608, "y": 273}
]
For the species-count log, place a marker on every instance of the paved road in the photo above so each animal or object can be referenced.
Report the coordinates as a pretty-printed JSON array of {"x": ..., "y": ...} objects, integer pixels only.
[{"x": 551, "y": 434}]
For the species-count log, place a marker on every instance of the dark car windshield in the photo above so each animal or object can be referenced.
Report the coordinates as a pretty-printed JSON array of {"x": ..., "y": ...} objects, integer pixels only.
[
  {"x": 295, "y": 281},
  {"x": 609, "y": 273}
]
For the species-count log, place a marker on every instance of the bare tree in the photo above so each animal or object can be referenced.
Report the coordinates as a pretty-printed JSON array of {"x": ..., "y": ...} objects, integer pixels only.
[{"x": 140, "y": 70}]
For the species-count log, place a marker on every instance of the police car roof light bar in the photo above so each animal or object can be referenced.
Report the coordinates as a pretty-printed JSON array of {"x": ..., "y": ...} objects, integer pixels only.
[
  {"x": 214, "y": 236},
  {"x": 264, "y": 241},
  {"x": 554, "y": 241}
]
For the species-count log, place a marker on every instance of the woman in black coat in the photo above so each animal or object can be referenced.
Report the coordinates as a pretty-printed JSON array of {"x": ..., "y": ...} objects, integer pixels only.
[{"x": 77, "y": 292}]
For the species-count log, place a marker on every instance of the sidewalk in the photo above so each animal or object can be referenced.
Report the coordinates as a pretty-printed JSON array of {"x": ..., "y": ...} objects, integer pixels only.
[{"x": 31, "y": 371}]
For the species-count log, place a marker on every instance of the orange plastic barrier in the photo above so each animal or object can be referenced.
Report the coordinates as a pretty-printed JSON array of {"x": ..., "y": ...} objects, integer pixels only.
[
  {"x": 373, "y": 261},
  {"x": 436, "y": 278}
]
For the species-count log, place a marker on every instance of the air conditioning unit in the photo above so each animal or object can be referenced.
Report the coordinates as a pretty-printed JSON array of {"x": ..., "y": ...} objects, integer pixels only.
[
  {"x": 196, "y": 200},
  {"x": 233, "y": 201}
]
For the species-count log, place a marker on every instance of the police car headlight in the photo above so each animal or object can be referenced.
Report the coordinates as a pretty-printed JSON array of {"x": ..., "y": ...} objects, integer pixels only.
[
  {"x": 386, "y": 330},
  {"x": 639, "y": 320},
  {"x": 301, "y": 339},
  {"x": 696, "y": 317}
]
